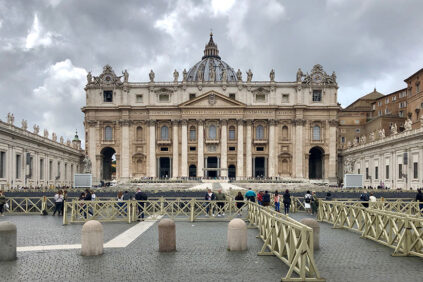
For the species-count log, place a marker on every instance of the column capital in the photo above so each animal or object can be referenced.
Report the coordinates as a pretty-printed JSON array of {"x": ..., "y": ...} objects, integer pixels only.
[
  {"x": 124, "y": 122},
  {"x": 175, "y": 122},
  {"x": 224, "y": 121},
  {"x": 272, "y": 122},
  {"x": 200, "y": 121},
  {"x": 184, "y": 121},
  {"x": 249, "y": 122},
  {"x": 240, "y": 121},
  {"x": 333, "y": 122},
  {"x": 151, "y": 122},
  {"x": 299, "y": 122}
]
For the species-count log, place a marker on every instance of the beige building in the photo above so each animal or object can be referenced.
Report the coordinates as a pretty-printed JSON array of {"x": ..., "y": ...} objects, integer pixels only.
[
  {"x": 212, "y": 122},
  {"x": 30, "y": 160}
]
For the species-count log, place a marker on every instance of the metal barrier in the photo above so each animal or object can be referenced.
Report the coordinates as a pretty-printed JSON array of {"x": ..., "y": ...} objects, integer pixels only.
[
  {"x": 400, "y": 231},
  {"x": 29, "y": 205}
]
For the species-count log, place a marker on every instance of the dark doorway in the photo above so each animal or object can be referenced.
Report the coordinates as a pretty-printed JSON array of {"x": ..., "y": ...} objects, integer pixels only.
[
  {"x": 259, "y": 167},
  {"x": 109, "y": 163},
  {"x": 192, "y": 171},
  {"x": 212, "y": 163},
  {"x": 315, "y": 163},
  {"x": 232, "y": 171},
  {"x": 164, "y": 167}
]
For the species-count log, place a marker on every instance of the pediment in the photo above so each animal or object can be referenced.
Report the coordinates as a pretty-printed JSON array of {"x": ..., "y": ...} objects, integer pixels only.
[{"x": 212, "y": 99}]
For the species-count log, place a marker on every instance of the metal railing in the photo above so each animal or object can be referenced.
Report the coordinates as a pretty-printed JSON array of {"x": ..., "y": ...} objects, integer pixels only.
[{"x": 398, "y": 230}]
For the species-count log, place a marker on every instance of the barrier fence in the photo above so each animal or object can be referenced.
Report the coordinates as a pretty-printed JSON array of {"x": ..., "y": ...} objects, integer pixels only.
[{"x": 398, "y": 230}]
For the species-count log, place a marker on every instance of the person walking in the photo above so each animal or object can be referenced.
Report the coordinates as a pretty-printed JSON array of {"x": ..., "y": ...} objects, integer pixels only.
[
  {"x": 2, "y": 203},
  {"x": 286, "y": 201},
  {"x": 260, "y": 198},
  {"x": 276, "y": 199},
  {"x": 240, "y": 202},
  {"x": 58, "y": 199},
  {"x": 266, "y": 199},
  {"x": 328, "y": 196},
  {"x": 364, "y": 197},
  {"x": 220, "y": 198},
  {"x": 372, "y": 198},
  {"x": 307, "y": 202},
  {"x": 314, "y": 203},
  {"x": 141, "y": 197},
  {"x": 250, "y": 195},
  {"x": 209, "y": 197},
  {"x": 419, "y": 198}
]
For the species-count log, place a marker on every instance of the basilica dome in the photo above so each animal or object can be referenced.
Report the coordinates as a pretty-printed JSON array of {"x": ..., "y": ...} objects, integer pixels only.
[{"x": 211, "y": 67}]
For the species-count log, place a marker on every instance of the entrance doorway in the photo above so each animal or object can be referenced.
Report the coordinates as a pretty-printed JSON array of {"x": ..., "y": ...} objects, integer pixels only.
[
  {"x": 212, "y": 163},
  {"x": 164, "y": 167},
  {"x": 192, "y": 171},
  {"x": 315, "y": 163},
  {"x": 231, "y": 171},
  {"x": 109, "y": 163},
  {"x": 259, "y": 167}
]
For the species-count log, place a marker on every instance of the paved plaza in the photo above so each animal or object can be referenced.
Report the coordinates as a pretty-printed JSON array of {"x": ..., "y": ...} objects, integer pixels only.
[{"x": 201, "y": 256}]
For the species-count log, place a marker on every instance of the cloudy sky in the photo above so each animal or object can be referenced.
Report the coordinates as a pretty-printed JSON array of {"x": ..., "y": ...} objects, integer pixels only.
[{"x": 47, "y": 46}]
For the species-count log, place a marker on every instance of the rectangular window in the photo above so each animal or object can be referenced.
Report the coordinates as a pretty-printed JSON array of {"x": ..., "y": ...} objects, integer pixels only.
[
  {"x": 139, "y": 98},
  {"x": 358, "y": 171},
  {"x": 164, "y": 149},
  {"x": 108, "y": 96},
  {"x": 342, "y": 139},
  {"x": 394, "y": 98},
  {"x": 357, "y": 121},
  {"x": 193, "y": 148},
  {"x": 387, "y": 172},
  {"x": 66, "y": 171},
  {"x": 50, "y": 170},
  {"x": 259, "y": 149},
  {"x": 367, "y": 173},
  {"x": 18, "y": 166},
  {"x": 415, "y": 170},
  {"x": 376, "y": 172},
  {"x": 58, "y": 170},
  {"x": 232, "y": 95},
  {"x": 260, "y": 98},
  {"x": 379, "y": 113},
  {"x": 317, "y": 95},
  {"x": 401, "y": 113},
  {"x": 41, "y": 169},
  {"x": 387, "y": 100},
  {"x": 2, "y": 164},
  {"x": 357, "y": 130},
  {"x": 231, "y": 148},
  {"x": 30, "y": 163},
  {"x": 191, "y": 96},
  {"x": 400, "y": 171},
  {"x": 164, "y": 98},
  {"x": 417, "y": 88},
  {"x": 373, "y": 107},
  {"x": 285, "y": 98}
]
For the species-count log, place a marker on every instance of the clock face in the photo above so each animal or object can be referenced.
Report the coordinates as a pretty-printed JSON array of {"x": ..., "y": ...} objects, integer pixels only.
[
  {"x": 108, "y": 78},
  {"x": 317, "y": 78}
]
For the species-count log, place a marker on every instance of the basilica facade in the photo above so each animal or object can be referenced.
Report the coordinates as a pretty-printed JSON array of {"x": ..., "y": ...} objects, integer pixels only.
[{"x": 212, "y": 122}]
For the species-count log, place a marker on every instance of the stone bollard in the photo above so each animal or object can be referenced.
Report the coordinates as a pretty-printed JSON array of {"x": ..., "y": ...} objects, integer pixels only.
[
  {"x": 311, "y": 222},
  {"x": 7, "y": 241},
  {"x": 167, "y": 235},
  {"x": 237, "y": 235},
  {"x": 92, "y": 238}
]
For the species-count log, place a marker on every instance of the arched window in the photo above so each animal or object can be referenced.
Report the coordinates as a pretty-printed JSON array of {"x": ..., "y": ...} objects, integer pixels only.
[
  {"x": 140, "y": 135},
  {"x": 232, "y": 133},
  {"x": 316, "y": 132},
  {"x": 108, "y": 133},
  {"x": 164, "y": 133},
  {"x": 192, "y": 133},
  {"x": 259, "y": 132},
  {"x": 285, "y": 132},
  {"x": 212, "y": 132}
]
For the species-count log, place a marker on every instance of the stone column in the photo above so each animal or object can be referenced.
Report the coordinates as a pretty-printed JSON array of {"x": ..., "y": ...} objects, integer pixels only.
[
  {"x": 124, "y": 156},
  {"x": 272, "y": 155},
  {"x": 92, "y": 146},
  {"x": 224, "y": 149},
  {"x": 184, "y": 149},
  {"x": 200, "y": 149},
  {"x": 240, "y": 151},
  {"x": 248, "y": 163},
  {"x": 152, "y": 149},
  {"x": 332, "y": 151},
  {"x": 299, "y": 151},
  {"x": 175, "y": 149}
]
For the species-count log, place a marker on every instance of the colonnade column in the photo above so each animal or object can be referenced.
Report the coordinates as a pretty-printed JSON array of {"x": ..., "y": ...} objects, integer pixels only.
[
  {"x": 224, "y": 150},
  {"x": 200, "y": 145},
  {"x": 175, "y": 149},
  {"x": 184, "y": 149},
  {"x": 272, "y": 156},
  {"x": 92, "y": 146},
  {"x": 299, "y": 153},
  {"x": 332, "y": 151},
  {"x": 240, "y": 151},
  {"x": 124, "y": 164},
  {"x": 152, "y": 148},
  {"x": 248, "y": 162}
]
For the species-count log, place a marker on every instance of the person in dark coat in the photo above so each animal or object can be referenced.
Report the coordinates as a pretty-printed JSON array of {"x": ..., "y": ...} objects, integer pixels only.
[
  {"x": 266, "y": 199},
  {"x": 140, "y": 197},
  {"x": 419, "y": 198},
  {"x": 239, "y": 205},
  {"x": 210, "y": 196},
  {"x": 286, "y": 201}
]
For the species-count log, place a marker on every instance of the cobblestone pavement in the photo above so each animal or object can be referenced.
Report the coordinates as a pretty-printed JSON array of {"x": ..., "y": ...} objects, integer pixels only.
[{"x": 201, "y": 256}]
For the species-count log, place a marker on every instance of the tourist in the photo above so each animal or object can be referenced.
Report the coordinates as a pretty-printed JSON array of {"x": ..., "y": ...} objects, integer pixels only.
[
  {"x": 65, "y": 198},
  {"x": 140, "y": 197},
  {"x": 58, "y": 199},
  {"x": 209, "y": 197},
  {"x": 266, "y": 199},
  {"x": 260, "y": 198},
  {"x": 126, "y": 196},
  {"x": 240, "y": 202},
  {"x": 307, "y": 202},
  {"x": 2, "y": 203},
  {"x": 419, "y": 198},
  {"x": 250, "y": 195},
  {"x": 286, "y": 201},
  {"x": 276, "y": 199},
  {"x": 328, "y": 196},
  {"x": 372, "y": 198},
  {"x": 314, "y": 203},
  {"x": 364, "y": 197},
  {"x": 93, "y": 195},
  {"x": 220, "y": 198}
]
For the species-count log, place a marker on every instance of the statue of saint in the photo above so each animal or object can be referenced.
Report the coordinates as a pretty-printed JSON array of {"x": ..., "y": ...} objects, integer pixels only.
[
  {"x": 36, "y": 129},
  {"x": 175, "y": 76},
  {"x": 200, "y": 73},
  {"x": 239, "y": 75},
  {"x": 382, "y": 133},
  {"x": 151, "y": 75},
  {"x": 125, "y": 76},
  {"x": 408, "y": 124},
  {"x": 54, "y": 137},
  {"x": 334, "y": 77},
  {"x": 249, "y": 75},
  {"x": 224, "y": 77},
  {"x": 184, "y": 75},
  {"x": 299, "y": 75},
  {"x": 10, "y": 118},
  {"x": 89, "y": 78},
  {"x": 212, "y": 73},
  {"x": 45, "y": 133},
  {"x": 24, "y": 124},
  {"x": 61, "y": 139},
  {"x": 394, "y": 129},
  {"x": 272, "y": 75},
  {"x": 87, "y": 164},
  {"x": 372, "y": 136}
]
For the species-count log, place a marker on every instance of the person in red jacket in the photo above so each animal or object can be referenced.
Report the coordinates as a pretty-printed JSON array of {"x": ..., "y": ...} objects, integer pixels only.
[{"x": 260, "y": 198}]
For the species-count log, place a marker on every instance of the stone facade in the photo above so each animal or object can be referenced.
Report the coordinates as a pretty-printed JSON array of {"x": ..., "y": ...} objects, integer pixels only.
[
  {"x": 212, "y": 123},
  {"x": 30, "y": 160}
]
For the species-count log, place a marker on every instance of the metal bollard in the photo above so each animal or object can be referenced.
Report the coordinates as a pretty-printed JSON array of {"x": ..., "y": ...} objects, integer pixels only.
[
  {"x": 237, "y": 235},
  {"x": 167, "y": 235},
  {"x": 311, "y": 222},
  {"x": 8, "y": 241},
  {"x": 92, "y": 238}
]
